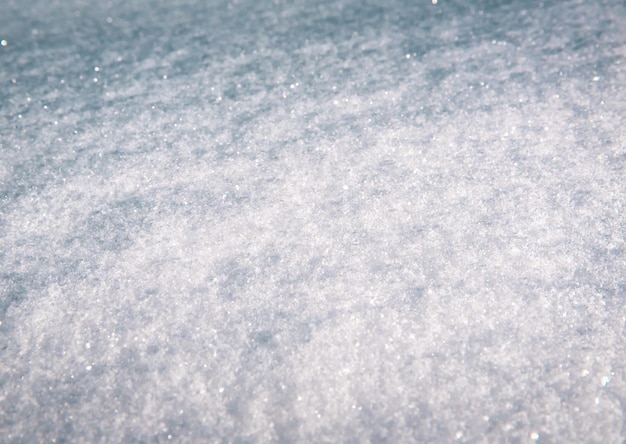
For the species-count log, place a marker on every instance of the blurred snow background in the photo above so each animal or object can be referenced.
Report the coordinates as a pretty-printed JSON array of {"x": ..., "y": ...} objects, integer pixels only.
[{"x": 312, "y": 221}]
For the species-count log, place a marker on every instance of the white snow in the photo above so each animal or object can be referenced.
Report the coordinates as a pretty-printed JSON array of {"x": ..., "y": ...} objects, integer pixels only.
[{"x": 312, "y": 221}]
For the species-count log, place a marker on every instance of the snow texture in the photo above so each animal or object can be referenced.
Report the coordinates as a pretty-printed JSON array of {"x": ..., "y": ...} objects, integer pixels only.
[{"x": 312, "y": 221}]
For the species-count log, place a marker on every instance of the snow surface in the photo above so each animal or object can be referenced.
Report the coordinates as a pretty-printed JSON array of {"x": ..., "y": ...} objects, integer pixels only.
[{"x": 312, "y": 221}]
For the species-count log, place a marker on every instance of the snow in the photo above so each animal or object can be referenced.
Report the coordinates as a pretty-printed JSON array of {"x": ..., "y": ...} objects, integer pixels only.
[{"x": 312, "y": 221}]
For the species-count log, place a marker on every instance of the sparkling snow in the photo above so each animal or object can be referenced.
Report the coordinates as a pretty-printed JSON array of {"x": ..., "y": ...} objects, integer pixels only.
[{"x": 312, "y": 221}]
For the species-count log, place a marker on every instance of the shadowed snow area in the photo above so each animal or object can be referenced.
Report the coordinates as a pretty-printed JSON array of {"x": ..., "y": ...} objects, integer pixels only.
[{"x": 312, "y": 221}]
